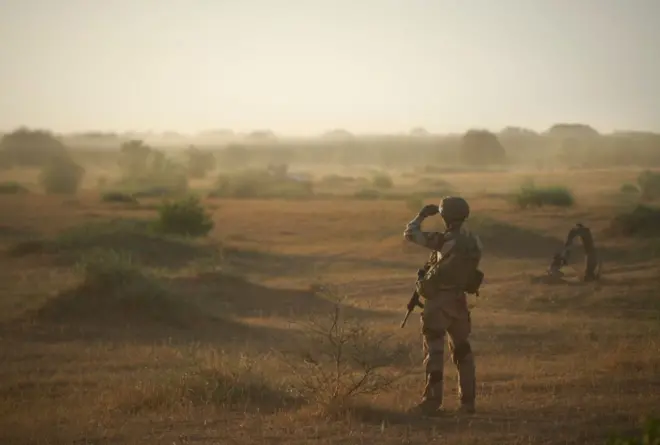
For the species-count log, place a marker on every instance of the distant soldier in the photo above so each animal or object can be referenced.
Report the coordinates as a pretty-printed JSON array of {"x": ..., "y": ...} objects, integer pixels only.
[{"x": 455, "y": 257}]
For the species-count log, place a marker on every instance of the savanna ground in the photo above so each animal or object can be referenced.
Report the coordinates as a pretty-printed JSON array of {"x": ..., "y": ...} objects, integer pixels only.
[{"x": 195, "y": 355}]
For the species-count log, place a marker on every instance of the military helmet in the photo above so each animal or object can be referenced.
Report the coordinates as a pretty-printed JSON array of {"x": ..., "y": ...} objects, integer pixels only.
[{"x": 454, "y": 209}]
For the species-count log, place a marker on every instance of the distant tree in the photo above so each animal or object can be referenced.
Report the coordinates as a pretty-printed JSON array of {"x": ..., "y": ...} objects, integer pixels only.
[
  {"x": 134, "y": 157},
  {"x": 31, "y": 148},
  {"x": 61, "y": 175},
  {"x": 235, "y": 156},
  {"x": 338, "y": 134},
  {"x": 199, "y": 162},
  {"x": 481, "y": 147},
  {"x": 517, "y": 132},
  {"x": 419, "y": 132},
  {"x": 571, "y": 130},
  {"x": 262, "y": 136}
]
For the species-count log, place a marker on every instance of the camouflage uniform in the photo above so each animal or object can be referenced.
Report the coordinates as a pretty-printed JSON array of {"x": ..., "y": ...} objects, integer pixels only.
[{"x": 456, "y": 253}]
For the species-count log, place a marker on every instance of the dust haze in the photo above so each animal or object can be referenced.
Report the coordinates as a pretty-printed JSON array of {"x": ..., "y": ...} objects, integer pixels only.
[{"x": 202, "y": 209}]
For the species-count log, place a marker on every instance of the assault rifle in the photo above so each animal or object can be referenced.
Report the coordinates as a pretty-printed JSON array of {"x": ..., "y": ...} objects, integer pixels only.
[{"x": 414, "y": 299}]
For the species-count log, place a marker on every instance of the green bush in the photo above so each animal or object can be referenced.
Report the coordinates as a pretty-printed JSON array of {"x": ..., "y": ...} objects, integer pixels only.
[
  {"x": 61, "y": 176},
  {"x": 629, "y": 189},
  {"x": 382, "y": 181},
  {"x": 185, "y": 216},
  {"x": 12, "y": 188},
  {"x": 649, "y": 184},
  {"x": 643, "y": 220},
  {"x": 650, "y": 435},
  {"x": 260, "y": 184},
  {"x": 532, "y": 196}
]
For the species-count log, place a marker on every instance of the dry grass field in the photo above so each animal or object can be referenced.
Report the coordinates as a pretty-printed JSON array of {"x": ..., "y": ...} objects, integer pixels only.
[{"x": 187, "y": 342}]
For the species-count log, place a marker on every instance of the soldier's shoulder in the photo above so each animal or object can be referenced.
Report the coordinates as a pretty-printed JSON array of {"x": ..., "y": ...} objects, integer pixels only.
[{"x": 472, "y": 236}]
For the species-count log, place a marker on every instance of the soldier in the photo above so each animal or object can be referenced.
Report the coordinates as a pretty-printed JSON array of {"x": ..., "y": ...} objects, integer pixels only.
[{"x": 455, "y": 257}]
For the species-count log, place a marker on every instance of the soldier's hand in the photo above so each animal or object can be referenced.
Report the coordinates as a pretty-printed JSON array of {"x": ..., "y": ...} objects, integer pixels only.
[{"x": 429, "y": 210}]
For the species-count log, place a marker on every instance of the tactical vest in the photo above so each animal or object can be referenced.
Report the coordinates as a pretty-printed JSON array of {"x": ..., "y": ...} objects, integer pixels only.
[{"x": 454, "y": 270}]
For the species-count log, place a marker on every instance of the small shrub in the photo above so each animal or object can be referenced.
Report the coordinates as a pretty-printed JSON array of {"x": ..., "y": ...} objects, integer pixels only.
[
  {"x": 61, "y": 176},
  {"x": 629, "y": 189},
  {"x": 342, "y": 360},
  {"x": 184, "y": 217},
  {"x": 119, "y": 197},
  {"x": 116, "y": 289},
  {"x": 531, "y": 196},
  {"x": 643, "y": 220},
  {"x": 104, "y": 268},
  {"x": 649, "y": 184},
  {"x": 12, "y": 188},
  {"x": 261, "y": 184},
  {"x": 382, "y": 181},
  {"x": 650, "y": 435},
  {"x": 367, "y": 194}
]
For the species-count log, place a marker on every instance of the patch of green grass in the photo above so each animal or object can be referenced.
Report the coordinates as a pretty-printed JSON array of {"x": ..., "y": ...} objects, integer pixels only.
[
  {"x": 260, "y": 184},
  {"x": 531, "y": 196},
  {"x": 650, "y": 435},
  {"x": 629, "y": 189},
  {"x": 12, "y": 188}
]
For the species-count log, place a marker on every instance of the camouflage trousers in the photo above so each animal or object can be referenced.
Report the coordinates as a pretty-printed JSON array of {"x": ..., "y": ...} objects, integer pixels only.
[{"x": 448, "y": 314}]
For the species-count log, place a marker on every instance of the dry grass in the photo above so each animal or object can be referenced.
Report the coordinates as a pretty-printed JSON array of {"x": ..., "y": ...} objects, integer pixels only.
[{"x": 557, "y": 363}]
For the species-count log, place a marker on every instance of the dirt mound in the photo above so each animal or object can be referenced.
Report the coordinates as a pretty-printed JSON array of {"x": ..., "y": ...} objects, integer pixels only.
[
  {"x": 133, "y": 237},
  {"x": 235, "y": 296},
  {"x": 502, "y": 239},
  {"x": 119, "y": 298}
]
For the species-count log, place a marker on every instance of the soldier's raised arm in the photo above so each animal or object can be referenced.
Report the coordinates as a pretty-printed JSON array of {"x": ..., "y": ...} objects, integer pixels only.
[{"x": 414, "y": 233}]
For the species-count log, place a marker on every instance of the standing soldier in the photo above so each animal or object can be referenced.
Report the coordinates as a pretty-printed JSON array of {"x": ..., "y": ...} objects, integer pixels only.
[{"x": 454, "y": 260}]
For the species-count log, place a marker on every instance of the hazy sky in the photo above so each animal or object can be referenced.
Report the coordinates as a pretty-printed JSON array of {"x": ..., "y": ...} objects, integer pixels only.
[{"x": 305, "y": 66}]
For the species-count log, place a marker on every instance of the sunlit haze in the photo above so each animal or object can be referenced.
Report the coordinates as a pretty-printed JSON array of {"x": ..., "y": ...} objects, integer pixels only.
[{"x": 307, "y": 66}]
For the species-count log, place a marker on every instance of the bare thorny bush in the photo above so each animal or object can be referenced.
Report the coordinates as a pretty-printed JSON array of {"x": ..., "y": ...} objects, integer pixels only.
[{"x": 342, "y": 359}]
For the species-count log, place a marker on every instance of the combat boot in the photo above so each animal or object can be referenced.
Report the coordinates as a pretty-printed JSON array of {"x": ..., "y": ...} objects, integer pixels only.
[
  {"x": 431, "y": 403},
  {"x": 427, "y": 408},
  {"x": 467, "y": 408}
]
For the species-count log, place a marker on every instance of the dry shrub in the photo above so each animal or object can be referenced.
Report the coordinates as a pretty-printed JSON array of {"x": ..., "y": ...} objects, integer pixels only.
[{"x": 343, "y": 359}]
